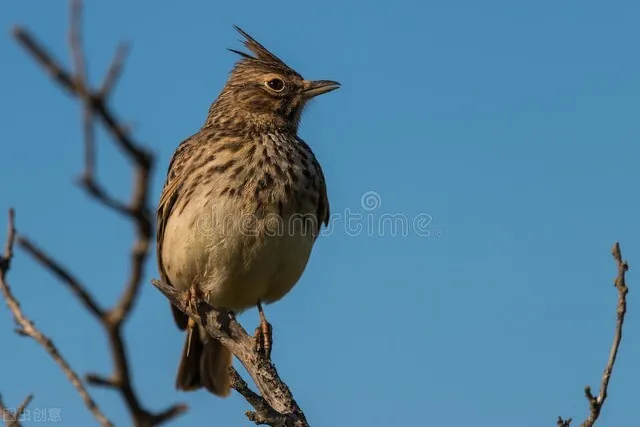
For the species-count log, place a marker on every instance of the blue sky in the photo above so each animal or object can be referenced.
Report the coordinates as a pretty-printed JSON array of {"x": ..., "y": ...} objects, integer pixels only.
[{"x": 513, "y": 126}]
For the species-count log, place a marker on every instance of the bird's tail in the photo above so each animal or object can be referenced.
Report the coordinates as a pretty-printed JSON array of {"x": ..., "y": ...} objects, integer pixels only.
[{"x": 204, "y": 363}]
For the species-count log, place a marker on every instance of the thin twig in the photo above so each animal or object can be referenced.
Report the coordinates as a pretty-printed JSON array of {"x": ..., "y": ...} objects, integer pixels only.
[
  {"x": 564, "y": 423},
  {"x": 5, "y": 261},
  {"x": 264, "y": 413},
  {"x": 7, "y": 415},
  {"x": 115, "y": 70},
  {"x": 76, "y": 287},
  {"x": 28, "y": 328},
  {"x": 596, "y": 402},
  {"x": 12, "y": 418},
  {"x": 75, "y": 45},
  {"x": 23, "y": 406},
  {"x": 88, "y": 131}
]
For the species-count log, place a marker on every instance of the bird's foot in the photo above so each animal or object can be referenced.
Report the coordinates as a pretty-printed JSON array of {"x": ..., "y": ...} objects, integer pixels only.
[
  {"x": 192, "y": 296},
  {"x": 263, "y": 335}
]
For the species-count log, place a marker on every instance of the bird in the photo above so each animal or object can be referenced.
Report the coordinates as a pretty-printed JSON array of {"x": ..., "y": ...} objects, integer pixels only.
[{"x": 242, "y": 206}]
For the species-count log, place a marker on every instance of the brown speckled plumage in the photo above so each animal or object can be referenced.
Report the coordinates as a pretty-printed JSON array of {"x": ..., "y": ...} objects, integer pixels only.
[{"x": 227, "y": 220}]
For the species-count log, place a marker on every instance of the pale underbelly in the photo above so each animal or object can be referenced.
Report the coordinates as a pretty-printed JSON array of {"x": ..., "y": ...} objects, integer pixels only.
[{"x": 235, "y": 260}]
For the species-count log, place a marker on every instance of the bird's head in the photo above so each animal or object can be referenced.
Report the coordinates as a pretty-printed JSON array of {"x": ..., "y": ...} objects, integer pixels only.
[{"x": 267, "y": 90}]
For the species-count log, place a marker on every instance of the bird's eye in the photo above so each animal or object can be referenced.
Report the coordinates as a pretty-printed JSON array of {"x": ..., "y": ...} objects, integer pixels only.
[{"x": 276, "y": 85}]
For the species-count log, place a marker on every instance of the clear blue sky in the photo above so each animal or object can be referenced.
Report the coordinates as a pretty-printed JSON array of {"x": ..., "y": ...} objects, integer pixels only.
[{"x": 513, "y": 126}]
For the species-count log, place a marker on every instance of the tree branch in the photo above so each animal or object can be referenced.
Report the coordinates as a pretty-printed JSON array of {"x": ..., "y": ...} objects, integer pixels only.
[
  {"x": 76, "y": 287},
  {"x": 28, "y": 328},
  {"x": 115, "y": 70},
  {"x": 596, "y": 402},
  {"x": 105, "y": 318},
  {"x": 277, "y": 406}
]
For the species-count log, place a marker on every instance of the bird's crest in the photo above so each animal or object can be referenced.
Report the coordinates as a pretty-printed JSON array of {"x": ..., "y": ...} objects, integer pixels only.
[{"x": 261, "y": 53}]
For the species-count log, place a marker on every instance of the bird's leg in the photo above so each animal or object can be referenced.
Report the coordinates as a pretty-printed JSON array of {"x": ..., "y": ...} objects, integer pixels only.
[
  {"x": 263, "y": 335},
  {"x": 190, "y": 326},
  {"x": 191, "y": 298}
]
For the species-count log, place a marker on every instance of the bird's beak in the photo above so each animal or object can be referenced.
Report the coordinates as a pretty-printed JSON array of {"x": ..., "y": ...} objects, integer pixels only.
[{"x": 318, "y": 87}]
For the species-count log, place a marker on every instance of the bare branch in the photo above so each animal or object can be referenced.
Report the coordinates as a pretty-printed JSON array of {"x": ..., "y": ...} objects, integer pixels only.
[
  {"x": 75, "y": 44},
  {"x": 5, "y": 261},
  {"x": 564, "y": 423},
  {"x": 69, "y": 82},
  {"x": 96, "y": 191},
  {"x": 137, "y": 210},
  {"x": 88, "y": 131},
  {"x": 7, "y": 415},
  {"x": 12, "y": 418},
  {"x": 264, "y": 413},
  {"x": 168, "y": 414},
  {"x": 28, "y": 328},
  {"x": 120, "y": 380},
  {"x": 76, "y": 287},
  {"x": 223, "y": 326},
  {"x": 596, "y": 402},
  {"x": 21, "y": 408},
  {"x": 115, "y": 70}
]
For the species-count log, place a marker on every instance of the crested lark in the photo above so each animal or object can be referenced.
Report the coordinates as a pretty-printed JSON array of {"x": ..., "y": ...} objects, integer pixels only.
[{"x": 242, "y": 206}]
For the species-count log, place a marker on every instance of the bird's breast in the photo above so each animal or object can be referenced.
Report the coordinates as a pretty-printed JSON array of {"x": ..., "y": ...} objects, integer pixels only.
[{"x": 247, "y": 231}]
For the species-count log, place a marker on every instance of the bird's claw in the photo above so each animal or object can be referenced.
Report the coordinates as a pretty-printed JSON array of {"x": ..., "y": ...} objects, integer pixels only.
[
  {"x": 263, "y": 336},
  {"x": 192, "y": 296}
]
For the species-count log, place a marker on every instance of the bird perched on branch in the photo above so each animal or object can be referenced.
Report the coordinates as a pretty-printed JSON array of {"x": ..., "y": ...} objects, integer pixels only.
[{"x": 242, "y": 206}]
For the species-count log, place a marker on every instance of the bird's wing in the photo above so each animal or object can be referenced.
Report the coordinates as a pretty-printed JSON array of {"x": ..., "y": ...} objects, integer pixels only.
[
  {"x": 323, "y": 211},
  {"x": 168, "y": 200}
]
